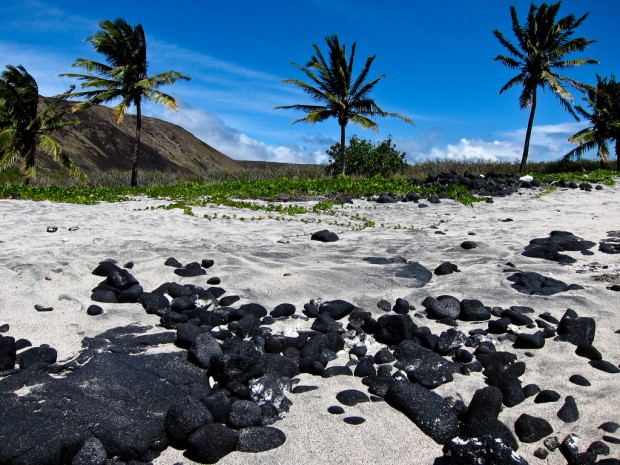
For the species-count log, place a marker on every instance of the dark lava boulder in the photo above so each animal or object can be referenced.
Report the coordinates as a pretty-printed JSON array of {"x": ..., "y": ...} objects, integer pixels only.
[
  {"x": 211, "y": 442},
  {"x": 575, "y": 329},
  {"x": 185, "y": 417},
  {"x": 428, "y": 410},
  {"x": 532, "y": 429},
  {"x": 549, "y": 248},
  {"x": 324, "y": 236},
  {"x": 393, "y": 329},
  {"x": 337, "y": 309},
  {"x": 532, "y": 283},
  {"x": 486, "y": 450}
]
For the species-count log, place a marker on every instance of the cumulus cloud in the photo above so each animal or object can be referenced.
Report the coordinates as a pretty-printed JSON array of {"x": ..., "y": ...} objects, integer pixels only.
[
  {"x": 464, "y": 149},
  {"x": 212, "y": 130},
  {"x": 548, "y": 142}
]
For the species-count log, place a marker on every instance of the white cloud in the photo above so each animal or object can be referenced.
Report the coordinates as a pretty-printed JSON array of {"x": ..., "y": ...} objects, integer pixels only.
[
  {"x": 464, "y": 149},
  {"x": 211, "y": 129},
  {"x": 548, "y": 142}
]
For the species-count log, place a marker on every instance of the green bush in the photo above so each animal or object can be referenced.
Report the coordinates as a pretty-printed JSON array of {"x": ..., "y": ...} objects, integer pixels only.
[{"x": 363, "y": 158}]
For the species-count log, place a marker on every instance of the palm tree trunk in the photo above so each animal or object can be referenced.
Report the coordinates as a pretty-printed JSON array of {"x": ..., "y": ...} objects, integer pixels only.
[
  {"x": 617, "y": 141},
  {"x": 136, "y": 150},
  {"x": 528, "y": 134},
  {"x": 342, "y": 147}
]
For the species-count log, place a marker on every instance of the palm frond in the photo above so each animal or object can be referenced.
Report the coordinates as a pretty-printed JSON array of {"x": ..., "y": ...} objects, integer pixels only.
[{"x": 163, "y": 99}]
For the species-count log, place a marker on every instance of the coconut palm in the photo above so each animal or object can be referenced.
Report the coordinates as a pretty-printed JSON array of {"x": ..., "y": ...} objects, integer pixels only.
[
  {"x": 604, "y": 100},
  {"x": 543, "y": 44},
  {"x": 124, "y": 76},
  {"x": 338, "y": 93},
  {"x": 24, "y": 128}
]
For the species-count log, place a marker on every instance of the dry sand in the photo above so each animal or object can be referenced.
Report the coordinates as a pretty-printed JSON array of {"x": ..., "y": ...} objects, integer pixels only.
[{"x": 272, "y": 260}]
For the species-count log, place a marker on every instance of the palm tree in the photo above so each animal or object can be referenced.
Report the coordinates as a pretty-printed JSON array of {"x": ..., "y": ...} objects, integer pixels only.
[
  {"x": 604, "y": 100},
  {"x": 542, "y": 46},
  {"x": 23, "y": 128},
  {"x": 124, "y": 76},
  {"x": 337, "y": 92}
]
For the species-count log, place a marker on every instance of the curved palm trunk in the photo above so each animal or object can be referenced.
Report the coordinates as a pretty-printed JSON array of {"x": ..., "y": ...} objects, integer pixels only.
[
  {"x": 136, "y": 150},
  {"x": 342, "y": 146},
  {"x": 528, "y": 134}
]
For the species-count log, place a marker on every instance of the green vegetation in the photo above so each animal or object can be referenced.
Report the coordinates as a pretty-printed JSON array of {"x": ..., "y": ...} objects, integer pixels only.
[
  {"x": 23, "y": 128},
  {"x": 124, "y": 77},
  {"x": 604, "y": 100},
  {"x": 366, "y": 159},
  {"x": 344, "y": 97},
  {"x": 542, "y": 45}
]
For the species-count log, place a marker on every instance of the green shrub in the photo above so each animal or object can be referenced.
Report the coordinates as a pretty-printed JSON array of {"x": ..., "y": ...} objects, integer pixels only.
[{"x": 363, "y": 158}]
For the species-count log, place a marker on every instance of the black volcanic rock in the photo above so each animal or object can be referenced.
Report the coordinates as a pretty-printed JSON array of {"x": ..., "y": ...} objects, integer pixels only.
[
  {"x": 575, "y": 329},
  {"x": 547, "y": 395},
  {"x": 185, "y": 417},
  {"x": 468, "y": 245},
  {"x": 429, "y": 411},
  {"x": 244, "y": 413},
  {"x": 529, "y": 341},
  {"x": 445, "y": 268},
  {"x": 531, "y": 429},
  {"x": 483, "y": 450},
  {"x": 558, "y": 241},
  {"x": 337, "y": 309},
  {"x": 532, "y": 283},
  {"x": 443, "y": 307},
  {"x": 393, "y": 329},
  {"x": 579, "y": 380},
  {"x": 211, "y": 443},
  {"x": 283, "y": 310},
  {"x": 473, "y": 310},
  {"x": 324, "y": 236},
  {"x": 204, "y": 349},
  {"x": 482, "y": 417},
  {"x": 569, "y": 412},
  {"x": 605, "y": 366},
  {"x": 7, "y": 353}
]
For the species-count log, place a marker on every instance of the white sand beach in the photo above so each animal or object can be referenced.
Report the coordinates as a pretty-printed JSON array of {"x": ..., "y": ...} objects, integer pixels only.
[{"x": 272, "y": 261}]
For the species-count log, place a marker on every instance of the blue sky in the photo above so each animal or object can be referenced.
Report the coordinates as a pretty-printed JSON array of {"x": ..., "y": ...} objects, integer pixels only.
[{"x": 438, "y": 58}]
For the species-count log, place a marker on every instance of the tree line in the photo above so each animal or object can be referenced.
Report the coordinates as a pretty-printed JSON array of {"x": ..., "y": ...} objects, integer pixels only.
[{"x": 542, "y": 49}]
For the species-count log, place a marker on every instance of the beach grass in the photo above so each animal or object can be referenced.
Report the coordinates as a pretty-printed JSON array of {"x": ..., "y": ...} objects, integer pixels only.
[{"x": 290, "y": 182}]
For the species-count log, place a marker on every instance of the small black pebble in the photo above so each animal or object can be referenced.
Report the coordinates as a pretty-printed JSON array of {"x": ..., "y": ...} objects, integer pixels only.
[
  {"x": 569, "y": 412},
  {"x": 94, "y": 310},
  {"x": 531, "y": 390},
  {"x": 611, "y": 439},
  {"x": 599, "y": 448},
  {"x": 354, "y": 420},
  {"x": 302, "y": 389},
  {"x": 4, "y": 328},
  {"x": 605, "y": 366},
  {"x": 546, "y": 396},
  {"x": 541, "y": 453},
  {"x": 552, "y": 443},
  {"x": 579, "y": 380},
  {"x": 214, "y": 281},
  {"x": 335, "y": 410},
  {"x": 609, "y": 426},
  {"x": 42, "y": 308},
  {"x": 23, "y": 343}
]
